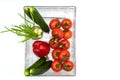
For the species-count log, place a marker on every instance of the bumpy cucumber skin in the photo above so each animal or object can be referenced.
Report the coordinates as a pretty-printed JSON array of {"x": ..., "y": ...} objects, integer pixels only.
[
  {"x": 37, "y": 64},
  {"x": 41, "y": 69},
  {"x": 33, "y": 14}
]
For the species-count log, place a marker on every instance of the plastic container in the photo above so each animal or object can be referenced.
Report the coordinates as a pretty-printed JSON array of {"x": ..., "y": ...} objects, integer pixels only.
[{"x": 48, "y": 13}]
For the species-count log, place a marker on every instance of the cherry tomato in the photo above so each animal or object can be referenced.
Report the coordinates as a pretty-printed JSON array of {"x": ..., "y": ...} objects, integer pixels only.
[
  {"x": 68, "y": 65},
  {"x": 67, "y": 34},
  {"x": 57, "y": 33},
  {"x": 55, "y": 53},
  {"x": 64, "y": 55},
  {"x": 54, "y": 43},
  {"x": 56, "y": 66},
  {"x": 66, "y": 23},
  {"x": 54, "y": 23},
  {"x": 41, "y": 48},
  {"x": 64, "y": 44}
]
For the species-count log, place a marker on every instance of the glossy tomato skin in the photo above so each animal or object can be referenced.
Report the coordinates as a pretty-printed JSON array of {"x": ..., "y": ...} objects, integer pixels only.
[
  {"x": 56, "y": 66},
  {"x": 56, "y": 53},
  {"x": 66, "y": 24},
  {"x": 54, "y": 43},
  {"x": 64, "y": 55},
  {"x": 54, "y": 23},
  {"x": 64, "y": 44},
  {"x": 67, "y": 34},
  {"x": 57, "y": 33},
  {"x": 68, "y": 65},
  {"x": 41, "y": 48}
]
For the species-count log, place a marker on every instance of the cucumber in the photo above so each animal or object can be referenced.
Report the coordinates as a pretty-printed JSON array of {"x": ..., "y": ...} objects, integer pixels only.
[
  {"x": 42, "y": 69},
  {"x": 34, "y": 15},
  {"x": 27, "y": 11},
  {"x": 37, "y": 64}
]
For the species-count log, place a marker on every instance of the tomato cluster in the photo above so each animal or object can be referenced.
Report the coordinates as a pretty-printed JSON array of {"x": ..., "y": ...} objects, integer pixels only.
[{"x": 60, "y": 44}]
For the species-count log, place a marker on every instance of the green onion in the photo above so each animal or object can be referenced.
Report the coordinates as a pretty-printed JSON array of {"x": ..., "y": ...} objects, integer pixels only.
[{"x": 25, "y": 30}]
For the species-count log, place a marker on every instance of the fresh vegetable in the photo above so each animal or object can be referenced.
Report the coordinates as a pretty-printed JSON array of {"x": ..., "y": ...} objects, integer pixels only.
[
  {"x": 64, "y": 44},
  {"x": 60, "y": 44},
  {"x": 66, "y": 24},
  {"x": 34, "y": 15},
  {"x": 68, "y": 65},
  {"x": 42, "y": 69},
  {"x": 54, "y": 43},
  {"x": 27, "y": 31},
  {"x": 57, "y": 33},
  {"x": 56, "y": 53},
  {"x": 38, "y": 31},
  {"x": 64, "y": 55},
  {"x": 67, "y": 34},
  {"x": 37, "y": 64},
  {"x": 56, "y": 66},
  {"x": 27, "y": 11},
  {"x": 54, "y": 23},
  {"x": 41, "y": 48}
]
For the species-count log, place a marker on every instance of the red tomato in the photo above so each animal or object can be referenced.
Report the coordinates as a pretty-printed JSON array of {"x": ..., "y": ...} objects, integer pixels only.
[
  {"x": 55, "y": 53},
  {"x": 54, "y": 43},
  {"x": 54, "y": 23},
  {"x": 56, "y": 66},
  {"x": 68, "y": 65},
  {"x": 66, "y": 23},
  {"x": 41, "y": 48},
  {"x": 64, "y": 44},
  {"x": 57, "y": 33},
  {"x": 67, "y": 34},
  {"x": 64, "y": 55}
]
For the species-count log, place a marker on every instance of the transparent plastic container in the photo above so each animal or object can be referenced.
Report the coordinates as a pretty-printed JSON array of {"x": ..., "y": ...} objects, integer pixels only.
[{"x": 48, "y": 13}]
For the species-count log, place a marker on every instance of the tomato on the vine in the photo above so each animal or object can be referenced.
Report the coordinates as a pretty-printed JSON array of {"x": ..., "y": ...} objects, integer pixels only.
[
  {"x": 54, "y": 43},
  {"x": 56, "y": 66},
  {"x": 64, "y": 55},
  {"x": 56, "y": 53},
  {"x": 57, "y": 33},
  {"x": 54, "y": 23},
  {"x": 67, "y": 34},
  {"x": 64, "y": 44},
  {"x": 68, "y": 65},
  {"x": 66, "y": 23}
]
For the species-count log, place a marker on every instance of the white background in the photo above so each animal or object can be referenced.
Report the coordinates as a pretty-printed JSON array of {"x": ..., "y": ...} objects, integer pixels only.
[{"x": 97, "y": 39}]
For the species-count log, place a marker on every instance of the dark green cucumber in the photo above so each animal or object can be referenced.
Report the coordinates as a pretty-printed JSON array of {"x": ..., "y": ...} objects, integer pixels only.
[
  {"x": 27, "y": 11},
  {"x": 37, "y": 64},
  {"x": 34, "y": 15},
  {"x": 41, "y": 69}
]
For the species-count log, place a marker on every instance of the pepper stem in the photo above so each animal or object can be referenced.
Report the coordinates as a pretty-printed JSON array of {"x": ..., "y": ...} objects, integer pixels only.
[{"x": 47, "y": 58}]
